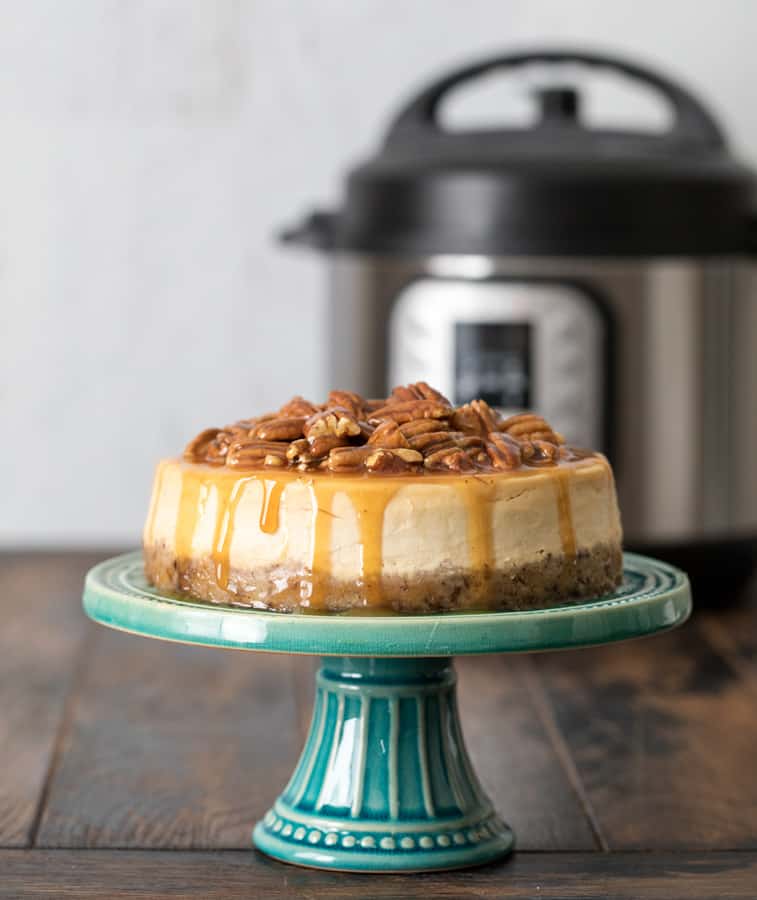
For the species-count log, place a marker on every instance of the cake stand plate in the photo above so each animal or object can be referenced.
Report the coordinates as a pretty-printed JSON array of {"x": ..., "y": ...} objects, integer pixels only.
[{"x": 384, "y": 783}]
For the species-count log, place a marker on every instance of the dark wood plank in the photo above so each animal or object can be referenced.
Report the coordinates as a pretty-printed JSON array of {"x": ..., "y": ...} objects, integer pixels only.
[
  {"x": 515, "y": 759},
  {"x": 42, "y": 637},
  {"x": 230, "y": 875},
  {"x": 733, "y": 632},
  {"x": 172, "y": 747},
  {"x": 663, "y": 734}
]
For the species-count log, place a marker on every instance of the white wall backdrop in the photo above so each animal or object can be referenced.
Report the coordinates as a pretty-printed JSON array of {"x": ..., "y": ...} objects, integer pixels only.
[{"x": 150, "y": 149}]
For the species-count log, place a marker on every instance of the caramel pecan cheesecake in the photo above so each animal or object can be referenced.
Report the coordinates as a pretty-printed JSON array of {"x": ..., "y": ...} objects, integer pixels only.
[{"x": 406, "y": 503}]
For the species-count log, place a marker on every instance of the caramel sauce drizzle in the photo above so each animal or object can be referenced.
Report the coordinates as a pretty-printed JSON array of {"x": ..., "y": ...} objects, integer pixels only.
[
  {"x": 189, "y": 507},
  {"x": 477, "y": 495},
  {"x": 370, "y": 506},
  {"x": 323, "y": 516},
  {"x": 565, "y": 512},
  {"x": 269, "y": 511},
  {"x": 154, "y": 502},
  {"x": 227, "y": 501},
  {"x": 369, "y": 501}
]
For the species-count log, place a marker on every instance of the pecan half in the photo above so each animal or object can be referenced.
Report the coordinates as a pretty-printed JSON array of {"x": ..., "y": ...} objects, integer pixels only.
[
  {"x": 298, "y": 406},
  {"x": 336, "y": 421},
  {"x": 388, "y": 434},
  {"x": 452, "y": 458},
  {"x": 400, "y": 460},
  {"x": 503, "y": 451},
  {"x": 296, "y": 449},
  {"x": 467, "y": 420},
  {"x": 349, "y": 459},
  {"x": 323, "y": 444},
  {"x": 418, "y": 391},
  {"x": 198, "y": 446},
  {"x": 409, "y": 410},
  {"x": 486, "y": 414},
  {"x": 540, "y": 453},
  {"x": 348, "y": 400},
  {"x": 530, "y": 426},
  {"x": 423, "y": 426},
  {"x": 252, "y": 452},
  {"x": 281, "y": 429},
  {"x": 426, "y": 442}
]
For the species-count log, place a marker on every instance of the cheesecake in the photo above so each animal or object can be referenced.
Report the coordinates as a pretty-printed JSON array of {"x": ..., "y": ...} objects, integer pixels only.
[{"x": 407, "y": 503}]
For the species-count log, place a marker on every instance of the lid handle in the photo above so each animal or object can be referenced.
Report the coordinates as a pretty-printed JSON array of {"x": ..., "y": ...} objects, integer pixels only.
[{"x": 692, "y": 122}]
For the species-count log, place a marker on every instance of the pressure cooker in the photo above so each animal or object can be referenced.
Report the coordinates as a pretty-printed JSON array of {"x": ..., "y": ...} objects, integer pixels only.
[{"x": 603, "y": 277}]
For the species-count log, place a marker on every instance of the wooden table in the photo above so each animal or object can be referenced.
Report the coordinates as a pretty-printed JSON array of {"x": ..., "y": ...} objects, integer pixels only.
[{"x": 135, "y": 768}]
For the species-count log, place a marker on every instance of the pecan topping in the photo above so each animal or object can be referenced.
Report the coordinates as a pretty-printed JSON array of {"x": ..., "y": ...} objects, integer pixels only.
[
  {"x": 298, "y": 406},
  {"x": 449, "y": 458},
  {"x": 503, "y": 451},
  {"x": 422, "y": 426},
  {"x": 252, "y": 452},
  {"x": 283, "y": 429},
  {"x": 418, "y": 391},
  {"x": 414, "y": 429},
  {"x": 353, "y": 403},
  {"x": 388, "y": 434},
  {"x": 409, "y": 410},
  {"x": 432, "y": 439},
  {"x": 349, "y": 459},
  {"x": 467, "y": 420},
  {"x": 336, "y": 421},
  {"x": 198, "y": 447},
  {"x": 400, "y": 460},
  {"x": 529, "y": 426}
]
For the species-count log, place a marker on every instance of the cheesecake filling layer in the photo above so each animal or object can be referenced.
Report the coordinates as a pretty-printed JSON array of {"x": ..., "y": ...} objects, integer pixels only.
[{"x": 286, "y": 540}]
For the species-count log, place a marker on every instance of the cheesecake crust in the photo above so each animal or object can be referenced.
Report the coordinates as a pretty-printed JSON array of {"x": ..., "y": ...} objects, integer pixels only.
[{"x": 553, "y": 580}]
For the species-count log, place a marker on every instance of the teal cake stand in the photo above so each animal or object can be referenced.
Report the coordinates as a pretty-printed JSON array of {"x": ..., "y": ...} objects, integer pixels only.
[{"x": 384, "y": 783}]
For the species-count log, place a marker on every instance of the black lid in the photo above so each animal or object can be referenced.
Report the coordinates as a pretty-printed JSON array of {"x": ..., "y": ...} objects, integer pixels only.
[{"x": 555, "y": 188}]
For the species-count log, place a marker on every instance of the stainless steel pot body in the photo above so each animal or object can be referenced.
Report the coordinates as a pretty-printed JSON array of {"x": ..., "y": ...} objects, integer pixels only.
[{"x": 653, "y": 360}]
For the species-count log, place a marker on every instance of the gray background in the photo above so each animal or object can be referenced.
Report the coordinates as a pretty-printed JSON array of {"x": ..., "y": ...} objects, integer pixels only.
[{"x": 150, "y": 150}]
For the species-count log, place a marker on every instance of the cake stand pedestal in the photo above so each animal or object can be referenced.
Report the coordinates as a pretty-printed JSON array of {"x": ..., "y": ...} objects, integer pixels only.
[{"x": 384, "y": 783}]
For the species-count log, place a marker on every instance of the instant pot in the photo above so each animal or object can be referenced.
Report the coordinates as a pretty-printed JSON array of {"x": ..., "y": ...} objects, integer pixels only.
[{"x": 605, "y": 278}]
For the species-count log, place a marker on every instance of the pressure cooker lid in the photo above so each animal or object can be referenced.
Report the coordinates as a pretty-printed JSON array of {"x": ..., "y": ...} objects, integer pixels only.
[{"x": 558, "y": 187}]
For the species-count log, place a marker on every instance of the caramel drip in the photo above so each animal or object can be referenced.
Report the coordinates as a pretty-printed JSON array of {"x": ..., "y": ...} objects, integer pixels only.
[
  {"x": 323, "y": 500},
  {"x": 186, "y": 520},
  {"x": 369, "y": 504},
  {"x": 478, "y": 495},
  {"x": 228, "y": 495},
  {"x": 564, "y": 512},
  {"x": 269, "y": 511},
  {"x": 196, "y": 489},
  {"x": 612, "y": 512},
  {"x": 157, "y": 493}
]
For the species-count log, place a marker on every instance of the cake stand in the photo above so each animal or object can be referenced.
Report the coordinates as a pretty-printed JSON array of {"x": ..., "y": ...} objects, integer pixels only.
[{"x": 384, "y": 783}]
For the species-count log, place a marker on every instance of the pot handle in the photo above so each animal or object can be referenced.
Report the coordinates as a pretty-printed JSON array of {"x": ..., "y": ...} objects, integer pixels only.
[
  {"x": 692, "y": 122},
  {"x": 315, "y": 231}
]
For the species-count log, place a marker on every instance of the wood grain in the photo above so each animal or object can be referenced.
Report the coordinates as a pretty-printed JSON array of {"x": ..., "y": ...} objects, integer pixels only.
[
  {"x": 663, "y": 733},
  {"x": 172, "y": 746},
  {"x": 733, "y": 632},
  {"x": 514, "y": 758},
  {"x": 42, "y": 636},
  {"x": 247, "y": 874}
]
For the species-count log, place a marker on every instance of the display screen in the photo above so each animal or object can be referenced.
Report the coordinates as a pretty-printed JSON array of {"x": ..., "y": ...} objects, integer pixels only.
[{"x": 493, "y": 362}]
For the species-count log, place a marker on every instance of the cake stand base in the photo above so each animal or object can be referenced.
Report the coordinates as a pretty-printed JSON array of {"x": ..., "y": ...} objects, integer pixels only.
[{"x": 384, "y": 783}]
